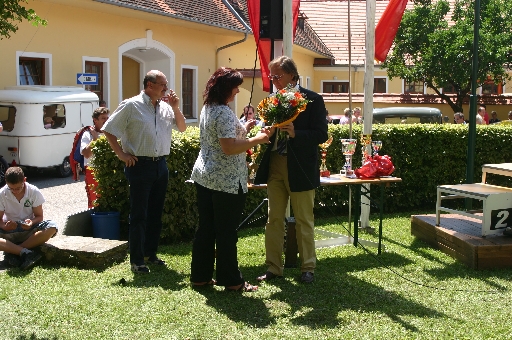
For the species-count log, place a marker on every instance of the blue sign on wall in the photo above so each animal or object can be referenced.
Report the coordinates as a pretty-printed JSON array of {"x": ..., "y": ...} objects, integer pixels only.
[{"x": 87, "y": 78}]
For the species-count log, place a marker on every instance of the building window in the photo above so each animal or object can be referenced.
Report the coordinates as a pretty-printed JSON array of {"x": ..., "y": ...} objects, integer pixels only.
[
  {"x": 54, "y": 116},
  {"x": 32, "y": 71},
  {"x": 413, "y": 87},
  {"x": 187, "y": 92},
  {"x": 335, "y": 87},
  {"x": 449, "y": 89},
  {"x": 490, "y": 87},
  {"x": 96, "y": 68},
  {"x": 380, "y": 85},
  {"x": 308, "y": 83}
]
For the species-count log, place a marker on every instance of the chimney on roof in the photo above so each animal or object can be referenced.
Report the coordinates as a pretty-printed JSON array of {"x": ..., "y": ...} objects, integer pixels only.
[{"x": 301, "y": 19}]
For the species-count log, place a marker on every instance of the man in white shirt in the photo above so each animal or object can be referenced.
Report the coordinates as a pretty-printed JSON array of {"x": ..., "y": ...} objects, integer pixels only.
[
  {"x": 144, "y": 125},
  {"x": 99, "y": 117},
  {"x": 22, "y": 226}
]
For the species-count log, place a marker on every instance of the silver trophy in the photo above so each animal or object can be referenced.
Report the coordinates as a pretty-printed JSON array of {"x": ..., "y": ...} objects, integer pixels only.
[{"x": 348, "y": 147}]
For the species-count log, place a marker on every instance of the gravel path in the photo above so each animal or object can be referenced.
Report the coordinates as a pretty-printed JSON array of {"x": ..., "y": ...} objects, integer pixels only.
[{"x": 63, "y": 196}]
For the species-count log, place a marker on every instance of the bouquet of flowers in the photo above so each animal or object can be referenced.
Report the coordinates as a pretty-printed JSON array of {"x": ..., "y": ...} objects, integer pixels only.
[{"x": 282, "y": 107}]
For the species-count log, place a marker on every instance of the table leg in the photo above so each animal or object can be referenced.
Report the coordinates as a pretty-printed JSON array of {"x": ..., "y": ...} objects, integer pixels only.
[
  {"x": 381, "y": 213},
  {"x": 357, "y": 214}
]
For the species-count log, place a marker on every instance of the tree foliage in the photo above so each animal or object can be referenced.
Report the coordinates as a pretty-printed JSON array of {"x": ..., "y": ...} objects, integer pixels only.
[
  {"x": 12, "y": 12},
  {"x": 434, "y": 44}
]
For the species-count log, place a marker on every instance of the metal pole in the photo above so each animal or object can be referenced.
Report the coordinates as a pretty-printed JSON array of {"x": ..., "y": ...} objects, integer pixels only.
[
  {"x": 470, "y": 165},
  {"x": 368, "y": 98},
  {"x": 287, "y": 28}
]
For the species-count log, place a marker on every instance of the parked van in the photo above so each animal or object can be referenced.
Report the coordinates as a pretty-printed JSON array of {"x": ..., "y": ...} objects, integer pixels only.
[
  {"x": 407, "y": 115},
  {"x": 40, "y": 122}
]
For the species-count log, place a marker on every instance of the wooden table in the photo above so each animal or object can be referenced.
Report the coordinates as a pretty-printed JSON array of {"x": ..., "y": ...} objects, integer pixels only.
[
  {"x": 341, "y": 180},
  {"x": 504, "y": 169}
]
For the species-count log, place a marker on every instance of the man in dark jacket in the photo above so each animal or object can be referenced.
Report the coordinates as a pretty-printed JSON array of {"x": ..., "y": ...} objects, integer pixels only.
[{"x": 292, "y": 173}]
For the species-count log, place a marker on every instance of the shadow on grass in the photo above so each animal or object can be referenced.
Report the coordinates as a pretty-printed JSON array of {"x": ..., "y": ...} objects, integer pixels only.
[
  {"x": 319, "y": 304},
  {"x": 246, "y": 308},
  {"x": 35, "y": 337}
]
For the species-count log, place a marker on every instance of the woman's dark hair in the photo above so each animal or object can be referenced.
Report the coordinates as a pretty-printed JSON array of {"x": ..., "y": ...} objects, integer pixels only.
[{"x": 220, "y": 86}]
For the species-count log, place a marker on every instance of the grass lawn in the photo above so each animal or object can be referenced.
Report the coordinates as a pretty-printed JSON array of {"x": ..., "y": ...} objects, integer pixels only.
[{"x": 411, "y": 291}]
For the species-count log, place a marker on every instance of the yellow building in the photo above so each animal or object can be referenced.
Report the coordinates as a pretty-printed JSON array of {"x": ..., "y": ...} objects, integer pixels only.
[{"x": 120, "y": 40}]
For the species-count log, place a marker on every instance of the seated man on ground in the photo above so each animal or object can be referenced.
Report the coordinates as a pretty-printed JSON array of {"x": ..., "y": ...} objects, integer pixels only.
[{"x": 22, "y": 227}]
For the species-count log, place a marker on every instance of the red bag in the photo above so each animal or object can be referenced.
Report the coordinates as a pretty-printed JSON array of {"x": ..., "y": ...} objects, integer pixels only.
[
  {"x": 375, "y": 166},
  {"x": 385, "y": 167}
]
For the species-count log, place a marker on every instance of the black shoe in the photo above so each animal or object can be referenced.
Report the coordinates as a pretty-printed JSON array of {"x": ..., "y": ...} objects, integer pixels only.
[
  {"x": 30, "y": 259},
  {"x": 307, "y": 277},
  {"x": 142, "y": 269},
  {"x": 154, "y": 260},
  {"x": 12, "y": 260},
  {"x": 267, "y": 277}
]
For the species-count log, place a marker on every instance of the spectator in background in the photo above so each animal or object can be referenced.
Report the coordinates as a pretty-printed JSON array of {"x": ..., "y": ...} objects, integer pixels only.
[
  {"x": 345, "y": 119},
  {"x": 48, "y": 122},
  {"x": 249, "y": 120},
  {"x": 99, "y": 117},
  {"x": 327, "y": 117},
  {"x": 103, "y": 103},
  {"x": 510, "y": 115},
  {"x": 494, "y": 118},
  {"x": 458, "y": 118},
  {"x": 479, "y": 116},
  {"x": 482, "y": 110},
  {"x": 356, "y": 118}
]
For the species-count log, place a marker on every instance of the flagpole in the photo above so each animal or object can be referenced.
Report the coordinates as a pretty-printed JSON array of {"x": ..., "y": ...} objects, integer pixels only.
[
  {"x": 287, "y": 28},
  {"x": 368, "y": 99}
]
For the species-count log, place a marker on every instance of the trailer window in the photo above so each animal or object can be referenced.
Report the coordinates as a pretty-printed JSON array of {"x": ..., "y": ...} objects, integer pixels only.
[
  {"x": 54, "y": 116},
  {"x": 7, "y": 117}
]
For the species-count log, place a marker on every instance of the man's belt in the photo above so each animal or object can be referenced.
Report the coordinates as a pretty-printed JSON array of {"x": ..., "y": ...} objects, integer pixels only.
[{"x": 150, "y": 159}]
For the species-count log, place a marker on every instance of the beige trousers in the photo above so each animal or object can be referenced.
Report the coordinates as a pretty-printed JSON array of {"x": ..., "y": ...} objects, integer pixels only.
[{"x": 278, "y": 191}]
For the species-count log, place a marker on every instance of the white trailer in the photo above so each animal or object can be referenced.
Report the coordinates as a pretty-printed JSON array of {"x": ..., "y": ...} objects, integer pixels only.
[{"x": 39, "y": 125}]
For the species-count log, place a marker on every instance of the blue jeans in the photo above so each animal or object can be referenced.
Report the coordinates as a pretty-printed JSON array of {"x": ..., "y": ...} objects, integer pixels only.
[
  {"x": 148, "y": 185},
  {"x": 20, "y": 235},
  {"x": 219, "y": 216}
]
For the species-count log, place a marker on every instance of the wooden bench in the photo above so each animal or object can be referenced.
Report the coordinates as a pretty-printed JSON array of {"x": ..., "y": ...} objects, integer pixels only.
[
  {"x": 496, "y": 214},
  {"x": 88, "y": 252}
]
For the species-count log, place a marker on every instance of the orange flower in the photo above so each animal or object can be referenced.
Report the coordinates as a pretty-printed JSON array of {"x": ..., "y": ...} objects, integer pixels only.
[{"x": 282, "y": 107}]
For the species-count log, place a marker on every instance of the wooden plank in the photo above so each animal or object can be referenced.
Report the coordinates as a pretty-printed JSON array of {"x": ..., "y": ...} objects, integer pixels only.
[{"x": 460, "y": 237}]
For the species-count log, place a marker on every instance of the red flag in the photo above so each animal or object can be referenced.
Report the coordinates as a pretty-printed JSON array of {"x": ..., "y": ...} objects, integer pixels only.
[
  {"x": 264, "y": 46},
  {"x": 387, "y": 27}
]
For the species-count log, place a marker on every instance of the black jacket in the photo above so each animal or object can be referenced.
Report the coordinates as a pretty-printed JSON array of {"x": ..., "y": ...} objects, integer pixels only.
[{"x": 302, "y": 151}]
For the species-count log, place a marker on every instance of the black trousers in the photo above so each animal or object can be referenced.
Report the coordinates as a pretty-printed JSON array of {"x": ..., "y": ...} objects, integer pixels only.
[{"x": 219, "y": 217}]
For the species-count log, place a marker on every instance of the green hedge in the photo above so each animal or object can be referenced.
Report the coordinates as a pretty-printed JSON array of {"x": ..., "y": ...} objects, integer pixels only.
[{"x": 424, "y": 156}]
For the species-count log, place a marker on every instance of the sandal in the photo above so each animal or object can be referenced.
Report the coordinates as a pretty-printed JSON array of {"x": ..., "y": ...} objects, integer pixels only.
[
  {"x": 244, "y": 287},
  {"x": 199, "y": 285}
]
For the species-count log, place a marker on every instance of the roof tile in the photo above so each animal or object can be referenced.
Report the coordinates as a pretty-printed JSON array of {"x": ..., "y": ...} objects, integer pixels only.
[{"x": 215, "y": 13}]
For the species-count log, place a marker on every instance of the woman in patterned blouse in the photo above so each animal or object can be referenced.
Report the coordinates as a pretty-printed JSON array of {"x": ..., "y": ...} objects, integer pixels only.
[{"x": 220, "y": 176}]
